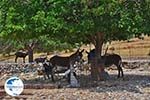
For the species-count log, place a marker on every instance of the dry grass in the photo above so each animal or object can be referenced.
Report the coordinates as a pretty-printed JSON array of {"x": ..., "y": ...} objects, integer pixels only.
[{"x": 134, "y": 48}]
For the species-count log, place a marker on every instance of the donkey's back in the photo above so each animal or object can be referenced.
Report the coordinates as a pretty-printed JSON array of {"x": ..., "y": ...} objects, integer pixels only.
[
  {"x": 21, "y": 54},
  {"x": 60, "y": 61},
  {"x": 110, "y": 59}
]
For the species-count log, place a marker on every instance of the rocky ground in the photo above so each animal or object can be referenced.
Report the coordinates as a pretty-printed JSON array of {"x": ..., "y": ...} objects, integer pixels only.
[{"x": 134, "y": 86}]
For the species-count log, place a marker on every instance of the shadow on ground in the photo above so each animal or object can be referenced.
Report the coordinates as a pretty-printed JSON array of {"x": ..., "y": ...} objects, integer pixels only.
[{"x": 130, "y": 83}]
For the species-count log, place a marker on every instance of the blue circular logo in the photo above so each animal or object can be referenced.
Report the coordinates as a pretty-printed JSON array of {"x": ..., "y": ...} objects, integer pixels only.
[{"x": 14, "y": 86}]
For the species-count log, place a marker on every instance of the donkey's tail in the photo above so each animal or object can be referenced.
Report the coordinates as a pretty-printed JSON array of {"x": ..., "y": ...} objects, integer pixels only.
[{"x": 121, "y": 63}]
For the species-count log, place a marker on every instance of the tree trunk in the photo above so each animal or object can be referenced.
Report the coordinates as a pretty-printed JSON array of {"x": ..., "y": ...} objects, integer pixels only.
[
  {"x": 94, "y": 70},
  {"x": 97, "y": 66},
  {"x": 30, "y": 52}
]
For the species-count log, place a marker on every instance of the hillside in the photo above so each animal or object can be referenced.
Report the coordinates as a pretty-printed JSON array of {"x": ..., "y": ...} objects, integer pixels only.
[{"x": 132, "y": 48}]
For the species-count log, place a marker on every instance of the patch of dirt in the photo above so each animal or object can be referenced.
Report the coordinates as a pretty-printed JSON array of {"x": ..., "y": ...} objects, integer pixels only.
[{"x": 134, "y": 85}]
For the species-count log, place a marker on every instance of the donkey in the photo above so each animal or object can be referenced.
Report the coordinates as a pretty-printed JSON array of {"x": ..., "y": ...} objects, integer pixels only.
[
  {"x": 21, "y": 54},
  {"x": 46, "y": 70},
  {"x": 109, "y": 60},
  {"x": 62, "y": 64},
  {"x": 65, "y": 61},
  {"x": 40, "y": 60}
]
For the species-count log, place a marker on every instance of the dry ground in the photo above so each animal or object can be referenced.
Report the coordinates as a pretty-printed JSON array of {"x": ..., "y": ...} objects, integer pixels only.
[{"x": 134, "y": 86}]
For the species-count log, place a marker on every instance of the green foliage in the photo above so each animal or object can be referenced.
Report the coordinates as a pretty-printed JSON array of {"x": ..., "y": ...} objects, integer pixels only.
[
  {"x": 46, "y": 44},
  {"x": 67, "y": 22}
]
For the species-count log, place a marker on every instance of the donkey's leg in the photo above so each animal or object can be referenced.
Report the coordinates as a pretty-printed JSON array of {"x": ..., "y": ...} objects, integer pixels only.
[
  {"x": 48, "y": 75},
  {"x": 44, "y": 76},
  {"x": 120, "y": 67},
  {"x": 16, "y": 59},
  {"x": 68, "y": 77},
  {"x": 52, "y": 76},
  {"x": 74, "y": 74},
  {"x": 121, "y": 72},
  {"x": 118, "y": 71},
  {"x": 23, "y": 59}
]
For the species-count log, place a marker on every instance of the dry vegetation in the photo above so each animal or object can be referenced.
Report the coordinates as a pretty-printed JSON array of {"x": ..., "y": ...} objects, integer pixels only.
[{"x": 134, "y": 48}]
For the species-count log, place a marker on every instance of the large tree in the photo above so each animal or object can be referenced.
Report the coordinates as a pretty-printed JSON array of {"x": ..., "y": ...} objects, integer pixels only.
[
  {"x": 114, "y": 20},
  {"x": 75, "y": 21}
]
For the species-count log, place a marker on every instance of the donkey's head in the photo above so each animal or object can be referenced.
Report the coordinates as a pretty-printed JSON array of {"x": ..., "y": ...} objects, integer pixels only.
[
  {"x": 77, "y": 56},
  {"x": 80, "y": 55}
]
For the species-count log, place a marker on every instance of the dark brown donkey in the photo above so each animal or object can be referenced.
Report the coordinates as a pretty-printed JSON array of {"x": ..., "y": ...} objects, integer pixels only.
[
  {"x": 109, "y": 59},
  {"x": 62, "y": 64},
  {"x": 65, "y": 61},
  {"x": 21, "y": 54}
]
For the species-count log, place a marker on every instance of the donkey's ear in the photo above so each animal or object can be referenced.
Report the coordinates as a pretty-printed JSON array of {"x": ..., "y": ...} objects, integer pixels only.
[
  {"x": 87, "y": 52},
  {"x": 82, "y": 50},
  {"x": 78, "y": 49}
]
